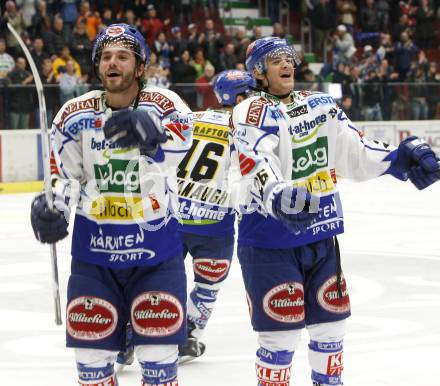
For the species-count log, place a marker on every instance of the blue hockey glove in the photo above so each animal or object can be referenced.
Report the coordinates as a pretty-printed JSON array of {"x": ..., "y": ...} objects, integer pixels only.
[
  {"x": 417, "y": 161},
  {"x": 292, "y": 207},
  {"x": 128, "y": 127},
  {"x": 49, "y": 226}
]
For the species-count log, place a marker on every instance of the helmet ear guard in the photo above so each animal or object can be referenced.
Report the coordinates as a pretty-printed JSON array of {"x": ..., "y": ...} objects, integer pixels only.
[{"x": 231, "y": 83}]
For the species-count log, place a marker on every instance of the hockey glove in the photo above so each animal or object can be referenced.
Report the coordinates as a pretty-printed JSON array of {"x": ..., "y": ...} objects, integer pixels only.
[
  {"x": 292, "y": 207},
  {"x": 128, "y": 127},
  {"x": 417, "y": 161},
  {"x": 49, "y": 226}
]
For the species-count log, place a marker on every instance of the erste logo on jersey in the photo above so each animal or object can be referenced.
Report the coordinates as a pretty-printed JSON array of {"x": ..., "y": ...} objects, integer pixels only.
[
  {"x": 329, "y": 299},
  {"x": 211, "y": 269},
  {"x": 285, "y": 302},
  {"x": 156, "y": 313},
  {"x": 91, "y": 318}
]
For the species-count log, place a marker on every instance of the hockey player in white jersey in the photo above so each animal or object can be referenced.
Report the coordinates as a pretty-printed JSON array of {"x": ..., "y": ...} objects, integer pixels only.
[
  {"x": 206, "y": 212},
  {"x": 293, "y": 145},
  {"x": 115, "y": 153}
]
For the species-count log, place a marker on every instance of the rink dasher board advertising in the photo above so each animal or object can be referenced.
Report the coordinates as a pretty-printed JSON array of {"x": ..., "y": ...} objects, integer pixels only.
[{"x": 21, "y": 155}]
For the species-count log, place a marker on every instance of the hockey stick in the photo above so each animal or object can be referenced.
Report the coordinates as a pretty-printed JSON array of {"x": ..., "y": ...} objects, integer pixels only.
[{"x": 46, "y": 168}]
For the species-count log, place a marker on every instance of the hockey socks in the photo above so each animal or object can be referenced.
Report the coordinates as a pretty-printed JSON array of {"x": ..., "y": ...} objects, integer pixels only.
[
  {"x": 273, "y": 367},
  {"x": 96, "y": 376},
  {"x": 325, "y": 358},
  {"x": 159, "y": 374}
]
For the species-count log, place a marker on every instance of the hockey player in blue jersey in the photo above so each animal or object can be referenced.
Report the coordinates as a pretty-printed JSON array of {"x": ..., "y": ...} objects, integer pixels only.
[
  {"x": 207, "y": 217},
  {"x": 206, "y": 210},
  {"x": 115, "y": 153},
  {"x": 292, "y": 146}
]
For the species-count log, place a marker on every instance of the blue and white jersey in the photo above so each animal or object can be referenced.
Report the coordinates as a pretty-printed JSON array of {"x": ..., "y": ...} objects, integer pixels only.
[
  {"x": 308, "y": 143},
  {"x": 205, "y": 177},
  {"x": 125, "y": 202}
]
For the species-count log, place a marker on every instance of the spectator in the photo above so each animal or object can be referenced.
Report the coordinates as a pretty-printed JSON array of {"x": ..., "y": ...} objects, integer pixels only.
[
  {"x": 38, "y": 54},
  {"x": 6, "y": 61},
  {"x": 20, "y": 99},
  {"x": 383, "y": 13},
  {"x": 386, "y": 48},
  {"x": 310, "y": 80},
  {"x": 372, "y": 97},
  {"x": 417, "y": 93},
  {"x": 107, "y": 17},
  {"x": 212, "y": 43},
  {"x": 184, "y": 72},
  {"x": 405, "y": 51},
  {"x": 347, "y": 106},
  {"x": 51, "y": 89},
  {"x": 70, "y": 83},
  {"x": 386, "y": 74},
  {"x": 425, "y": 27},
  {"x": 59, "y": 65},
  {"x": 69, "y": 14},
  {"x": 257, "y": 33},
  {"x": 433, "y": 90},
  {"x": 15, "y": 18},
  {"x": 177, "y": 44},
  {"x": 402, "y": 26},
  {"x": 228, "y": 59},
  {"x": 369, "y": 17},
  {"x": 354, "y": 90},
  {"x": 347, "y": 11},
  {"x": 322, "y": 16},
  {"x": 27, "y": 8},
  {"x": 194, "y": 39},
  {"x": 342, "y": 76},
  {"x": 41, "y": 20},
  {"x": 241, "y": 43},
  {"x": 82, "y": 50},
  {"x": 400, "y": 108},
  {"x": 343, "y": 46},
  {"x": 54, "y": 39},
  {"x": 368, "y": 61},
  {"x": 200, "y": 62},
  {"x": 205, "y": 89},
  {"x": 162, "y": 49},
  {"x": 156, "y": 76},
  {"x": 278, "y": 31},
  {"x": 91, "y": 19},
  {"x": 152, "y": 25}
]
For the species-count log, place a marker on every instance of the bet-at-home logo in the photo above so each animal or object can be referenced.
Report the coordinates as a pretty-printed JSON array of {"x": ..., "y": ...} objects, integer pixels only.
[
  {"x": 307, "y": 159},
  {"x": 118, "y": 176}
]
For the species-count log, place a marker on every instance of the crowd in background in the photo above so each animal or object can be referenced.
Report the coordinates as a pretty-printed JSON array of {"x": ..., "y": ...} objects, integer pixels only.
[{"x": 377, "y": 50}]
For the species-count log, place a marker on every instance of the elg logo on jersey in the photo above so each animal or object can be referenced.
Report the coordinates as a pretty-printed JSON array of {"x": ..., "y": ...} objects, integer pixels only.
[
  {"x": 307, "y": 159},
  {"x": 328, "y": 296},
  {"x": 285, "y": 302},
  {"x": 91, "y": 318},
  {"x": 211, "y": 269},
  {"x": 156, "y": 313}
]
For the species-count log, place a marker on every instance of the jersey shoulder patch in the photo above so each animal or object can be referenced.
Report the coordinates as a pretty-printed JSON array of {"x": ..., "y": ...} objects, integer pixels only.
[
  {"x": 158, "y": 99},
  {"x": 255, "y": 111}
]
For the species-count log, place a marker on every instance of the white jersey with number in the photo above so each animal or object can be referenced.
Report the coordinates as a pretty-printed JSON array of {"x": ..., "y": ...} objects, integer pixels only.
[
  {"x": 126, "y": 201},
  {"x": 205, "y": 176},
  {"x": 305, "y": 143}
]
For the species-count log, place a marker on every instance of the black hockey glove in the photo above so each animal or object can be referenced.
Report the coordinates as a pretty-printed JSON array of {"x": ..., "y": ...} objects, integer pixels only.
[
  {"x": 49, "y": 226},
  {"x": 417, "y": 161},
  {"x": 128, "y": 127},
  {"x": 292, "y": 206}
]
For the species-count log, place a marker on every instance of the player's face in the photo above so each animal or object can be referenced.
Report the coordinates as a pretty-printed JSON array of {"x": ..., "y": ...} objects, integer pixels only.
[
  {"x": 279, "y": 74},
  {"x": 118, "y": 69}
]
